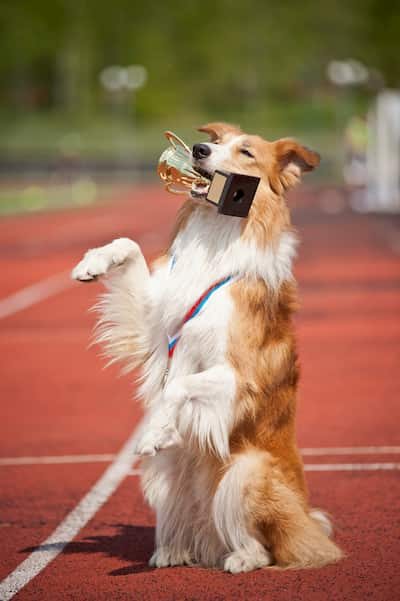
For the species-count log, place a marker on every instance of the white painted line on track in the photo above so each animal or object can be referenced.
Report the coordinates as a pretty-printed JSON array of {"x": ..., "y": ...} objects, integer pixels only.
[
  {"x": 349, "y": 467},
  {"x": 135, "y": 472},
  {"x": 107, "y": 457},
  {"x": 331, "y": 467},
  {"x": 121, "y": 467},
  {"x": 72, "y": 524},
  {"x": 26, "y": 297},
  {"x": 56, "y": 459},
  {"x": 351, "y": 451}
]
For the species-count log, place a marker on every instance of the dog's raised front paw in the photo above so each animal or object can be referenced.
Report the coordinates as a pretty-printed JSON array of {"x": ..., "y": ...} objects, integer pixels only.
[
  {"x": 98, "y": 261},
  {"x": 153, "y": 441}
]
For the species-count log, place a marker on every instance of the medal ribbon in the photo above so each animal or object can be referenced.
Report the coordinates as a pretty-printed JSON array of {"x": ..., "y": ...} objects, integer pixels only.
[{"x": 195, "y": 310}]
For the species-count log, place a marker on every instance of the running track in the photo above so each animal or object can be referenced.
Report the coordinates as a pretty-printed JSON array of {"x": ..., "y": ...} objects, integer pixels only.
[{"x": 64, "y": 419}]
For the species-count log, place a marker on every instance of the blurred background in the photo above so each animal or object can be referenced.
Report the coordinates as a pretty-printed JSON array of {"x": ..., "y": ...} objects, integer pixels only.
[{"x": 88, "y": 87}]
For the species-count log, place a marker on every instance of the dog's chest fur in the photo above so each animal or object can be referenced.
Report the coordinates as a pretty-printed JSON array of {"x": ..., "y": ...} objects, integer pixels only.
[
  {"x": 200, "y": 256},
  {"x": 207, "y": 249}
]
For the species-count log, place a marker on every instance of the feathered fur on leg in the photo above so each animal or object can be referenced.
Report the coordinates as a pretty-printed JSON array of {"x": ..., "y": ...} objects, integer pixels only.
[{"x": 122, "y": 327}]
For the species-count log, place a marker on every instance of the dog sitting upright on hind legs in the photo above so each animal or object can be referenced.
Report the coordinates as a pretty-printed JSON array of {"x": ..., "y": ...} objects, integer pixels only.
[{"x": 210, "y": 326}]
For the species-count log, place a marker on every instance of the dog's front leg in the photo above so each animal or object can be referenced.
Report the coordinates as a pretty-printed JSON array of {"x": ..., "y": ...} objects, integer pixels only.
[
  {"x": 205, "y": 409},
  {"x": 123, "y": 324},
  {"x": 120, "y": 258},
  {"x": 158, "y": 431}
]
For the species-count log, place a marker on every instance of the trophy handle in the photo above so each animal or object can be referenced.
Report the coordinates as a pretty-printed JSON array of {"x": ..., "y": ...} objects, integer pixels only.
[
  {"x": 175, "y": 141},
  {"x": 169, "y": 188}
]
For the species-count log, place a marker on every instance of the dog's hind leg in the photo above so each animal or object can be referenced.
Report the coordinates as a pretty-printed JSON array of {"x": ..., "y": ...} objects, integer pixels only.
[
  {"x": 299, "y": 538},
  {"x": 296, "y": 537},
  {"x": 122, "y": 326},
  {"x": 168, "y": 492},
  {"x": 233, "y": 517},
  {"x": 254, "y": 510}
]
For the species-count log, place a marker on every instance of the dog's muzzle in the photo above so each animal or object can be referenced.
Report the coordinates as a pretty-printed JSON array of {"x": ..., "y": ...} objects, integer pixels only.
[{"x": 201, "y": 151}]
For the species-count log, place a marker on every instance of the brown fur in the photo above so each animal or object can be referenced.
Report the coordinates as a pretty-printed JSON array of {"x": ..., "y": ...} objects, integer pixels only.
[
  {"x": 277, "y": 509},
  {"x": 262, "y": 350},
  {"x": 263, "y": 353}
]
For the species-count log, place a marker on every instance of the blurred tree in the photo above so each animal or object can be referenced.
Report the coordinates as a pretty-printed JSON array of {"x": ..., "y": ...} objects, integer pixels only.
[{"x": 210, "y": 56}]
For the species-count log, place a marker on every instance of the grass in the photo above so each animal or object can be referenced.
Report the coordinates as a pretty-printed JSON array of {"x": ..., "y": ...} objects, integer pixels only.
[
  {"x": 104, "y": 135},
  {"x": 73, "y": 139},
  {"x": 41, "y": 195}
]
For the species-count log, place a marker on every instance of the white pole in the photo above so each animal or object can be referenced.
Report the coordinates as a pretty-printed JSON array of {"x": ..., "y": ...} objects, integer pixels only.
[{"x": 383, "y": 154}]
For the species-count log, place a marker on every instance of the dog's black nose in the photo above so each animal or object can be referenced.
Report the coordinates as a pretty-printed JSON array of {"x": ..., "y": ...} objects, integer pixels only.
[{"x": 201, "y": 151}]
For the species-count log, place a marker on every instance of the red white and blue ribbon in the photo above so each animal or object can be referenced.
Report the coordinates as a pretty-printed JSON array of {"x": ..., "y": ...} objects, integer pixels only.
[{"x": 195, "y": 310}]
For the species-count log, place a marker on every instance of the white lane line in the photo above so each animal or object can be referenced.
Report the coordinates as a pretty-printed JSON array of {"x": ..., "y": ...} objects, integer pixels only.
[
  {"x": 136, "y": 472},
  {"x": 349, "y": 467},
  {"x": 331, "y": 467},
  {"x": 72, "y": 524},
  {"x": 26, "y": 297},
  {"x": 105, "y": 457},
  {"x": 351, "y": 451}
]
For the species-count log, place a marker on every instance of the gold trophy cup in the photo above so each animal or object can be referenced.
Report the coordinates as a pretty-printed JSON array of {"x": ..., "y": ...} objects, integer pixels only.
[{"x": 175, "y": 166}]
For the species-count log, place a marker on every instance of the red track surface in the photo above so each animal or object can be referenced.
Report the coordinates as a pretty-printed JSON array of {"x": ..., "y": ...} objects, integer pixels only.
[{"x": 57, "y": 400}]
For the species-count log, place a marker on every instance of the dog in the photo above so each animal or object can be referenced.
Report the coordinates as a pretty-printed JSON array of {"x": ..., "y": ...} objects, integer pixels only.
[{"x": 220, "y": 465}]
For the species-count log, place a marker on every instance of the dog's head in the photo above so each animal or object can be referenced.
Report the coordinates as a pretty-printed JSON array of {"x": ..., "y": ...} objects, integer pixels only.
[{"x": 279, "y": 164}]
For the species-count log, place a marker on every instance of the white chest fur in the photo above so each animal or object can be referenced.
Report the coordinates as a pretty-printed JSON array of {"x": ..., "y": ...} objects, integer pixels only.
[
  {"x": 208, "y": 249},
  {"x": 200, "y": 252}
]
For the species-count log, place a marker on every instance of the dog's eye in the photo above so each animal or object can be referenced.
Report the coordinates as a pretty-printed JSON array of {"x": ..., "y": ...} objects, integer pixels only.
[{"x": 247, "y": 153}]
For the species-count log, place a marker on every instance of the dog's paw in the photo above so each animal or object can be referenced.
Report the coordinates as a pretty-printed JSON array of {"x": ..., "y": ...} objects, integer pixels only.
[
  {"x": 153, "y": 441},
  {"x": 98, "y": 261},
  {"x": 246, "y": 561},
  {"x": 175, "y": 392},
  {"x": 164, "y": 557}
]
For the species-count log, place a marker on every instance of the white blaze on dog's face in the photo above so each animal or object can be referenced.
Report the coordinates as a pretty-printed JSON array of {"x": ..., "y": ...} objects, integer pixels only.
[{"x": 279, "y": 164}]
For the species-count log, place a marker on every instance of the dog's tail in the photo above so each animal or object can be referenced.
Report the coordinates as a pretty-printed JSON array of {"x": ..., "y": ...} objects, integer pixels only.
[{"x": 323, "y": 519}]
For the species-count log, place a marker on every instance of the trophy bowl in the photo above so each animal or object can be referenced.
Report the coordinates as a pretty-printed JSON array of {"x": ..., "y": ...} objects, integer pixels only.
[{"x": 175, "y": 167}]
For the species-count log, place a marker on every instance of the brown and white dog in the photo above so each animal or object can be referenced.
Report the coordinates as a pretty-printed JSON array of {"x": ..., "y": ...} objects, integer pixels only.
[{"x": 220, "y": 463}]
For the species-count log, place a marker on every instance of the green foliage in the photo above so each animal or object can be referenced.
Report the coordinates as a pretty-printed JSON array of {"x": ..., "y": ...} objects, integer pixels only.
[{"x": 261, "y": 63}]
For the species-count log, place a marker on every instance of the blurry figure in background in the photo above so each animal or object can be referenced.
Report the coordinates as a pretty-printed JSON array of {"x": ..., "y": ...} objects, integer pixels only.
[
  {"x": 383, "y": 154},
  {"x": 356, "y": 141}
]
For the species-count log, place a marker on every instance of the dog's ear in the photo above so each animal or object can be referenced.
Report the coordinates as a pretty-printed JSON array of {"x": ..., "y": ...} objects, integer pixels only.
[
  {"x": 292, "y": 159},
  {"x": 289, "y": 151},
  {"x": 216, "y": 131}
]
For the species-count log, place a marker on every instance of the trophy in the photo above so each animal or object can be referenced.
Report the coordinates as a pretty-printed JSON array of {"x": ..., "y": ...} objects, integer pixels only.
[
  {"x": 175, "y": 166},
  {"x": 231, "y": 193}
]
